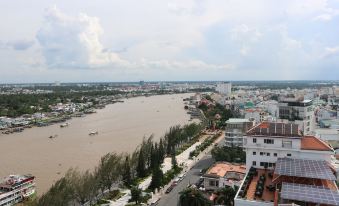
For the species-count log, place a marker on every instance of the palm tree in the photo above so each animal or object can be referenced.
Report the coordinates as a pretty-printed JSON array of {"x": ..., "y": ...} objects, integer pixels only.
[{"x": 193, "y": 197}]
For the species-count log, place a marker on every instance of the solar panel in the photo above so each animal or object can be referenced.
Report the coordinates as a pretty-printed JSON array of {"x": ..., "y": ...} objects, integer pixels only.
[
  {"x": 275, "y": 129},
  {"x": 317, "y": 169},
  {"x": 309, "y": 193}
]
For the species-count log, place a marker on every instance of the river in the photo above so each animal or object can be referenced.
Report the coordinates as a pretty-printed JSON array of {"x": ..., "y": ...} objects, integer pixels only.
[{"x": 121, "y": 128}]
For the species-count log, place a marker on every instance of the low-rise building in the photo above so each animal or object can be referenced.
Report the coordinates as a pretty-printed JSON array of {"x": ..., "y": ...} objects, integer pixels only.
[{"x": 223, "y": 174}]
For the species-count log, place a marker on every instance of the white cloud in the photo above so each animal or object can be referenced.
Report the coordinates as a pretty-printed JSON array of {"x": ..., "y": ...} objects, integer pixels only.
[
  {"x": 328, "y": 15},
  {"x": 74, "y": 42},
  {"x": 323, "y": 17},
  {"x": 68, "y": 41},
  {"x": 245, "y": 37},
  {"x": 331, "y": 51}
]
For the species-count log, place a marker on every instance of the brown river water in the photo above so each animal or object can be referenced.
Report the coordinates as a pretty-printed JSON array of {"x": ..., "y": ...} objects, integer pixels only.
[{"x": 121, "y": 128}]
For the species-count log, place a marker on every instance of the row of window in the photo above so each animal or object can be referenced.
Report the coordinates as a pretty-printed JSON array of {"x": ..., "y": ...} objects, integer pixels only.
[
  {"x": 264, "y": 164},
  {"x": 266, "y": 141},
  {"x": 285, "y": 143},
  {"x": 269, "y": 154}
]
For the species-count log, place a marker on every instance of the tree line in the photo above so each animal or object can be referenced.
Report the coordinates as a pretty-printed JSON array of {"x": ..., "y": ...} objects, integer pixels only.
[
  {"x": 119, "y": 170},
  {"x": 194, "y": 197},
  {"x": 15, "y": 105}
]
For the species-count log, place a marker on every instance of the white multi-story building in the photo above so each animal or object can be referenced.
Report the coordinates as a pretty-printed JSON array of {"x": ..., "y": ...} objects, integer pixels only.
[
  {"x": 268, "y": 141},
  {"x": 301, "y": 111},
  {"x": 224, "y": 88},
  {"x": 284, "y": 168},
  {"x": 235, "y": 130}
]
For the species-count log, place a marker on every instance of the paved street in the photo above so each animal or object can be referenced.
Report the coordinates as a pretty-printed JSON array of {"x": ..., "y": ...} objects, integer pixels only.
[{"x": 192, "y": 176}]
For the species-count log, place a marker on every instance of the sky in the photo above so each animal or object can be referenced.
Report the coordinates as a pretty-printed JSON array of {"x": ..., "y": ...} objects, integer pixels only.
[{"x": 168, "y": 40}]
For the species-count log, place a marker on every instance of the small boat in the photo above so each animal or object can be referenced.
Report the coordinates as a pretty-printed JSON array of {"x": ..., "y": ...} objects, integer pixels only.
[
  {"x": 93, "y": 133},
  {"x": 53, "y": 136},
  {"x": 64, "y": 125}
]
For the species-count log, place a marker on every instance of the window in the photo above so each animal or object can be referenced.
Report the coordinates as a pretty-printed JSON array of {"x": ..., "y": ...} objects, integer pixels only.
[
  {"x": 254, "y": 163},
  {"x": 288, "y": 155},
  {"x": 269, "y": 141},
  {"x": 261, "y": 153},
  {"x": 254, "y": 153},
  {"x": 287, "y": 143},
  {"x": 254, "y": 140},
  {"x": 214, "y": 183},
  {"x": 268, "y": 154},
  {"x": 275, "y": 154},
  {"x": 262, "y": 164}
]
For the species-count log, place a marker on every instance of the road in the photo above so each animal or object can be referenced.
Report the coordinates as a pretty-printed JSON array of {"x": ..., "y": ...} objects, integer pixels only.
[{"x": 191, "y": 177}]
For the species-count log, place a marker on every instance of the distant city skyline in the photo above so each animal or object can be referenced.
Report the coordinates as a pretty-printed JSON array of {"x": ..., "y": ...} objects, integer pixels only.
[{"x": 193, "y": 40}]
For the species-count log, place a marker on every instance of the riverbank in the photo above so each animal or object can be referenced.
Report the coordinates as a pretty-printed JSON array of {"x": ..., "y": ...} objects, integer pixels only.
[{"x": 121, "y": 128}]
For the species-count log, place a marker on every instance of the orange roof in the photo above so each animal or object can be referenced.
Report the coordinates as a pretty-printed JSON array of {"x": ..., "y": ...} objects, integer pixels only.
[
  {"x": 264, "y": 125},
  {"x": 221, "y": 168},
  {"x": 314, "y": 143}
]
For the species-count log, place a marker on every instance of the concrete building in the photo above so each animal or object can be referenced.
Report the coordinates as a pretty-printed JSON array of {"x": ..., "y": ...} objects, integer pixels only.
[
  {"x": 224, "y": 88},
  {"x": 268, "y": 141},
  {"x": 235, "y": 130},
  {"x": 294, "y": 109},
  {"x": 223, "y": 174},
  {"x": 257, "y": 114},
  {"x": 279, "y": 161}
]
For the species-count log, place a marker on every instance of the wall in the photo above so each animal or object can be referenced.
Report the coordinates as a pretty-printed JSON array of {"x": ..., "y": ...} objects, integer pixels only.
[{"x": 242, "y": 202}]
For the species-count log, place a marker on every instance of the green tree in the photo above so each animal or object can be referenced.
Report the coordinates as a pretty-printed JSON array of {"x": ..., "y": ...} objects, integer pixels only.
[
  {"x": 174, "y": 161},
  {"x": 126, "y": 175},
  {"x": 84, "y": 185},
  {"x": 161, "y": 150},
  {"x": 225, "y": 196},
  {"x": 193, "y": 197},
  {"x": 61, "y": 193},
  {"x": 157, "y": 178},
  {"x": 229, "y": 154},
  {"x": 136, "y": 195},
  {"x": 141, "y": 170},
  {"x": 109, "y": 170}
]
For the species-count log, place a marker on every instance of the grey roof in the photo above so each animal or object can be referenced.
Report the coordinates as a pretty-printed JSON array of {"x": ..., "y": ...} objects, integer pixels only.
[
  {"x": 317, "y": 169},
  {"x": 309, "y": 193}
]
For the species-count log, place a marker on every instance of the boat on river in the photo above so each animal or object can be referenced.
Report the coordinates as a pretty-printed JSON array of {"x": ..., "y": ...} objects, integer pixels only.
[
  {"x": 16, "y": 188},
  {"x": 93, "y": 133}
]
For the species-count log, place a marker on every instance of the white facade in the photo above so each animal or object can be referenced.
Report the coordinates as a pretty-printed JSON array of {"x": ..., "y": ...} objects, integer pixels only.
[
  {"x": 224, "y": 88},
  {"x": 264, "y": 149},
  {"x": 299, "y": 111},
  {"x": 235, "y": 130},
  {"x": 267, "y": 142}
]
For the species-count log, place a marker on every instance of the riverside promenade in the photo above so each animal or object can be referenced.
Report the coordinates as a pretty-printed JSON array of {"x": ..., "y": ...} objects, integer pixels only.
[{"x": 182, "y": 159}]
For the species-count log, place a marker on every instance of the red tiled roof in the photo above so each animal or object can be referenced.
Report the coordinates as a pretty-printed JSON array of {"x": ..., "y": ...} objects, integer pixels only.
[
  {"x": 221, "y": 168},
  {"x": 314, "y": 143}
]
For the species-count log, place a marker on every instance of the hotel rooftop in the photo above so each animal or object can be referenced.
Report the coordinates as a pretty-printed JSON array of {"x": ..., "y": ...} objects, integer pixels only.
[{"x": 293, "y": 181}]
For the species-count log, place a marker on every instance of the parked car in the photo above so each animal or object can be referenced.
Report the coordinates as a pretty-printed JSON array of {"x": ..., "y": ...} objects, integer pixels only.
[
  {"x": 176, "y": 180},
  {"x": 181, "y": 177},
  {"x": 169, "y": 189}
]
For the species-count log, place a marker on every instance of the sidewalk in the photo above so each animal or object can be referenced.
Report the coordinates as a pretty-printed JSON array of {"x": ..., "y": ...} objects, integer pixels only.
[{"x": 182, "y": 158}]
